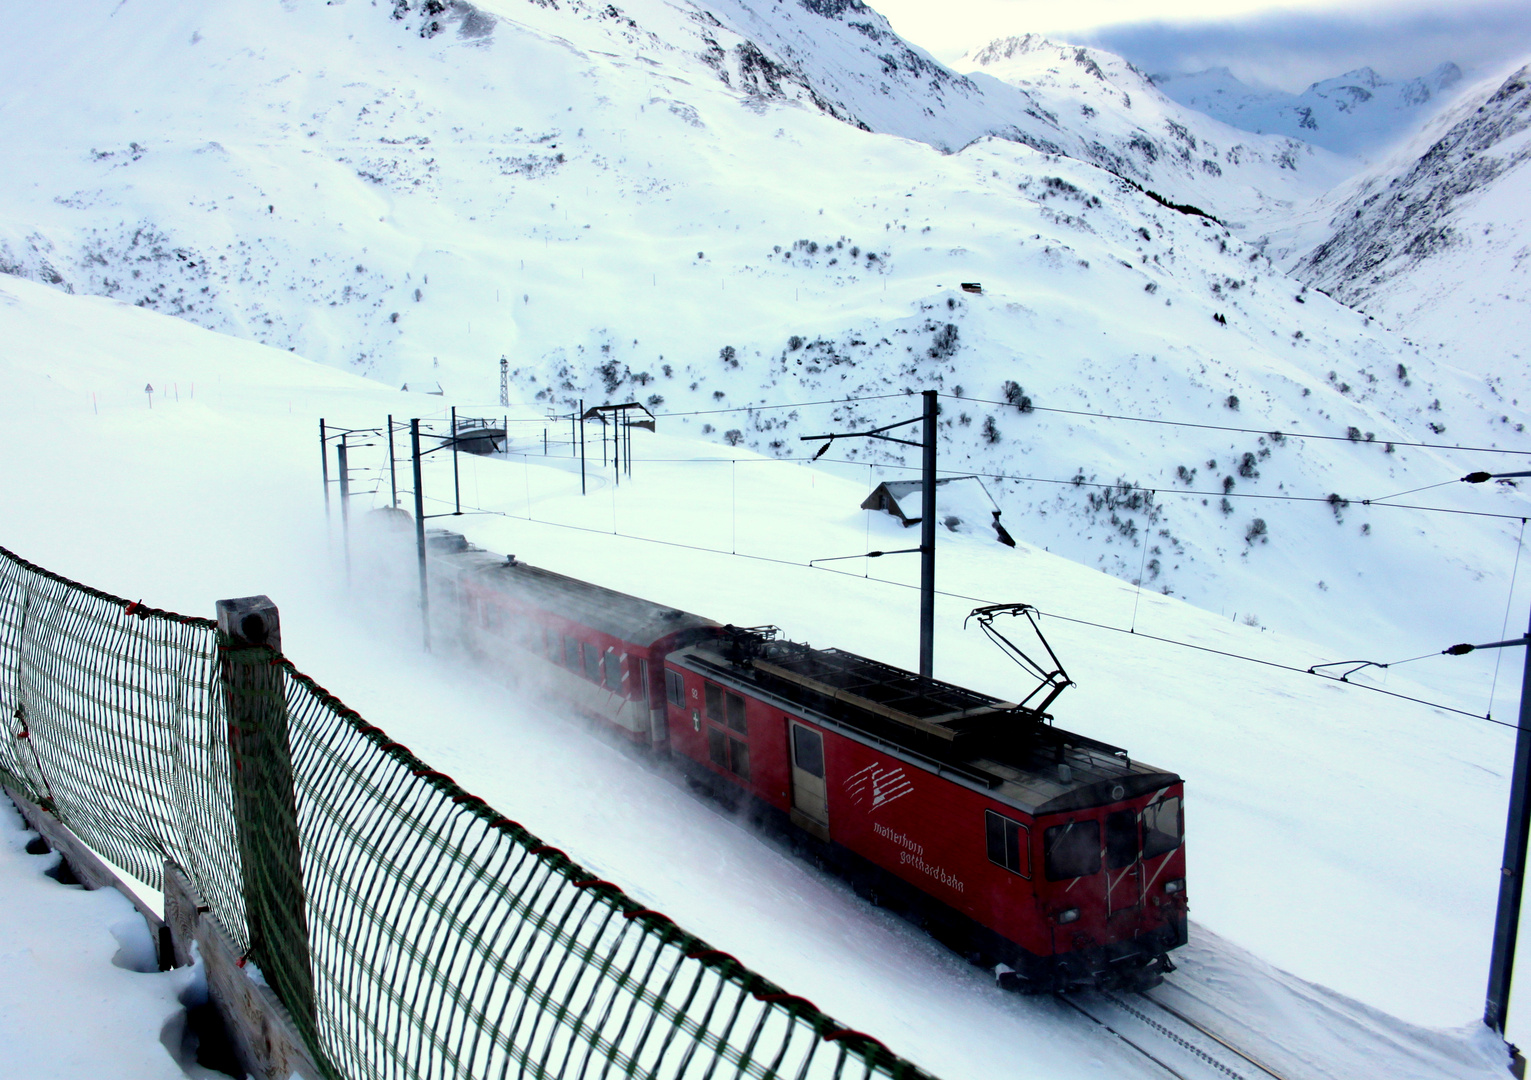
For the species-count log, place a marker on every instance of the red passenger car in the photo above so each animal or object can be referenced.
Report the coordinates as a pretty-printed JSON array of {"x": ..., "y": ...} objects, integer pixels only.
[
  {"x": 1049, "y": 855},
  {"x": 594, "y": 648}
]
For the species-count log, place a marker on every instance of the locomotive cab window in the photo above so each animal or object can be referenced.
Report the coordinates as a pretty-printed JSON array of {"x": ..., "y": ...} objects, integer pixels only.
[
  {"x": 1072, "y": 850},
  {"x": 612, "y": 663},
  {"x": 571, "y": 654},
  {"x": 592, "y": 663},
  {"x": 1009, "y": 843},
  {"x": 1121, "y": 839},
  {"x": 1163, "y": 827},
  {"x": 675, "y": 688}
]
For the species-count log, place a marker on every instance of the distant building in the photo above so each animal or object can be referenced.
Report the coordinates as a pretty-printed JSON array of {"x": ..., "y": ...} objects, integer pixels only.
[{"x": 956, "y": 507}]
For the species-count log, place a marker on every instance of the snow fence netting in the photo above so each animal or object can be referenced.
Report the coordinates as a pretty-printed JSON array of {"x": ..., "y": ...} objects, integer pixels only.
[
  {"x": 420, "y": 932},
  {"x": 112, "y": 721}
]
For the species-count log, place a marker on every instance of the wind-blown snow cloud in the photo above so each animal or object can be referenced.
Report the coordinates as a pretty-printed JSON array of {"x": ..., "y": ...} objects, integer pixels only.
[{"x": 1291, "y": 49}]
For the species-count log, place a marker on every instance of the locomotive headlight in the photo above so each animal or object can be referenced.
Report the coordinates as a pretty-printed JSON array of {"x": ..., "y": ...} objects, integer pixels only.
[
  {"x": 1176, "y": 886},
  {"x": 1068, "y": 916}
]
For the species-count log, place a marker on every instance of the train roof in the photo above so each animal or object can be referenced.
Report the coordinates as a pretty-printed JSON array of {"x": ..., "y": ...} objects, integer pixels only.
[
  {"x": 1013, "y": 753},
  {"x": 628, "y": 618}
]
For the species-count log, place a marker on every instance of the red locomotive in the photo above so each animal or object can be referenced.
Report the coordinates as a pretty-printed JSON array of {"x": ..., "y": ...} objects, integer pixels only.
[{"x": 1048, "y": 855}]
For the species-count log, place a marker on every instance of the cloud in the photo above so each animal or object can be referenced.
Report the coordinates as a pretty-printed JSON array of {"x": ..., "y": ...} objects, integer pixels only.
[{"x": 1289, "y": 50}]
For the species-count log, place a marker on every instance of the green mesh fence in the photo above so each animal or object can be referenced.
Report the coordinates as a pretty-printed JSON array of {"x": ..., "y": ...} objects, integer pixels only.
[
  {"x": 110, "y": 714},
  {"x": 411, "y": 929}
]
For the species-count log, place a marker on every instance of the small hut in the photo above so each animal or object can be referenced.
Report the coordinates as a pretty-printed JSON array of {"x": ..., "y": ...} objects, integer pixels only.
[{"x": 956, "y": 507}]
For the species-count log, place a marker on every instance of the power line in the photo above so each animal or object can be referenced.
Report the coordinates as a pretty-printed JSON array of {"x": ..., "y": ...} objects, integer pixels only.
[
  {"x": 1081, "y": 413},
  {"x": 788, "y": 405},
  {"x": 1240, "y": 430},
  {"x": 987, "y": 600},
  {"x": 715, "y": 412},
  {"x": 1070, "y": 482}
]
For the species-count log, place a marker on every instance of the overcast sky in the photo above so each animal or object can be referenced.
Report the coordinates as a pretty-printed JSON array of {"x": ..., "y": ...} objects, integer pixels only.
[{"x": 1287, "y": 46}]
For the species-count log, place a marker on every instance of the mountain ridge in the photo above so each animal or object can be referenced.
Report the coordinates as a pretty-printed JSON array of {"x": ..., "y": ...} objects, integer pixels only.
[
  {"x": 583, "y": 193},
  {"x": 1433, "y": 241},
  {"x": 1357, "y": 113}
]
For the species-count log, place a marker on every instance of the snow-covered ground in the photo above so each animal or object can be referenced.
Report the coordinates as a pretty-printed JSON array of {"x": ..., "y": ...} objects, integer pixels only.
[
  {"x": 81, "y": 994},
  {"x": 1343, "y": 845}
]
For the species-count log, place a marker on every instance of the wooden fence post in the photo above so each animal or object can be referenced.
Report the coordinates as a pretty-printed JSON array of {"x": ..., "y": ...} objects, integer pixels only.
[{"x": 265, "y": 802}]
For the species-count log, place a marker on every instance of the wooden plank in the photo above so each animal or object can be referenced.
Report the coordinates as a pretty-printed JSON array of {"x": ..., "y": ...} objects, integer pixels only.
[
  {"x": 86, "y": 865},
  {"x": 265, "y": 1041}
]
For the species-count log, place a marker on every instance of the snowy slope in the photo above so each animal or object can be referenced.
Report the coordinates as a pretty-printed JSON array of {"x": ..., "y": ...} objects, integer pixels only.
[
  {"x": 1341, "y": 919},
  {"x": 1434, "y": 242},
  {"x": 416, "y": 197},
  {"x": 1357, "y": 114},
  {"x": 1132, "y": 129}
]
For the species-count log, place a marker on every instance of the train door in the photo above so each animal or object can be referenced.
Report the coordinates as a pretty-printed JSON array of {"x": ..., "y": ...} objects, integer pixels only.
[
  {"x": 810, "y": 798},
  {"x": 1124, "y": 862},
  {"x": 659, "y": 729}
]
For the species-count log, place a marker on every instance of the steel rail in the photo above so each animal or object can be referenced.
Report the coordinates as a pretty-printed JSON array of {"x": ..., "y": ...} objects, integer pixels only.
[
  {"x": 1184, "y": 1019},
  {"x": 1091, "y": 1016}
]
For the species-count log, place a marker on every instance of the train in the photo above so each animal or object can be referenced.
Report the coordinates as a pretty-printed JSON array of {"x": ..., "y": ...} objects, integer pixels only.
[{"x": 1051, "y": 858}]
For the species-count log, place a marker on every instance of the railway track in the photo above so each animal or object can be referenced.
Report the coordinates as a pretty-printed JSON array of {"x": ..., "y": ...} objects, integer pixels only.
[{"x": 1174, "y": 1042}]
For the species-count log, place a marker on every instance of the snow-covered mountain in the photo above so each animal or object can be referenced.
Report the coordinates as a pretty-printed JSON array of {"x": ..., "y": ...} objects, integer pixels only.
[
  {"x": 1357, "y": 113},
  {"x": 683, "y": 203},
  {"x": 1126, "y": 126},
  {"x": 1435, "y": 242},
  {"x": 767, "y": 221}
]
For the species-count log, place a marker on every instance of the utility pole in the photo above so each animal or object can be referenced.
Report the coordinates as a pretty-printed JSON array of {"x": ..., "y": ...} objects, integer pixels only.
[
  {"x": 324, "y": 460},
  {"x": 425, "y": 599},
  {"x": 1512, "y": 876},
  {"x": 393, "y": 473},
  {"x": 1517, "y": 829},
  {"x": 581, "y": 446},
  {"x": 345, "y": 503},
  {"x": 928, "y": 537},
  {"x": 504, "y": 381},
  {"x": 1512, "y": 868},
  {"x": 927, "y": 548},
  {"x": 456, "y": 484}
]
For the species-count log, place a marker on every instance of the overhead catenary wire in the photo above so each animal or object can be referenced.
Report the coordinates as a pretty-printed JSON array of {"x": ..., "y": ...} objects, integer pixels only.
[
  {"x": 989, "y": 600},
  {"x": 734, "y": 461},
  {"x": 1505, "y": 628},
  {"x": 1071, "y": 482},
  {"x": 1411, "y": 491},
  {"x": 1240, "y": 430},
  {"x": 1097, "y": 416}
]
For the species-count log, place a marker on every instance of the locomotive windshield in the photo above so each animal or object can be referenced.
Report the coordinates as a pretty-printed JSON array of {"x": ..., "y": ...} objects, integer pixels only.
[
  {"x": 1121, "y": 839},
  {"x": 1162, "y": 827},
  {"x": 1072, "y": 850}
]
